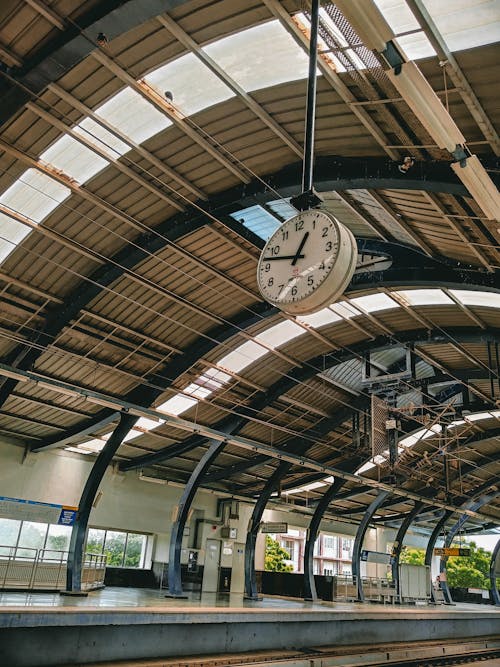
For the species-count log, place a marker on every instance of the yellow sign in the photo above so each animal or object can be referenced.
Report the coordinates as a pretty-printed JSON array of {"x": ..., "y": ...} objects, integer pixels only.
[{"x": 452, "y": 551}]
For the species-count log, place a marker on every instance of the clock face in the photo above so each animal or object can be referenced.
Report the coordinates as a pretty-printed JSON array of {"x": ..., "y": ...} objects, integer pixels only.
[{"x": 298, "y": 266}]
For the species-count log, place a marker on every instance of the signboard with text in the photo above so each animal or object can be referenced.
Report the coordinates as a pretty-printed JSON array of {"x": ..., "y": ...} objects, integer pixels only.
[
  {"x": 279, "y": 528},
  {"x": 451, "y": 551},
  {"x": 32, "y": 510}
]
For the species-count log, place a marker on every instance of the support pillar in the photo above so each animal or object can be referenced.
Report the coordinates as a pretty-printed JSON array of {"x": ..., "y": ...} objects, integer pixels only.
[
  {"x": 79, "y": 531},
  {"x": 432, "y": 542},
  {"x": 495, "y": 574},
  {"x": 183, "y": 507},
  {"x": 398, "y": 543},
  {"x": 312, "y": 533},
  {"x": 253, "y": 529},
  {"x": 358, "y": 541}
]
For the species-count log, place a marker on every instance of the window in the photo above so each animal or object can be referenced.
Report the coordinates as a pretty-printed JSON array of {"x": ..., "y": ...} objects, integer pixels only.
[
  {"x": 289, "y": 545},
  {"x": 330, "y": 543},
  {"x": 122, "y": 549},
  {"x": 346, "y": 547}
]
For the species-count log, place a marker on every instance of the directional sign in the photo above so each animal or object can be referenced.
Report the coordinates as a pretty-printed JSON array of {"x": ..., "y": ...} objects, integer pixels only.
[
  {"x": 279, "y": 528},
  {"x": 452, "y": 551}
]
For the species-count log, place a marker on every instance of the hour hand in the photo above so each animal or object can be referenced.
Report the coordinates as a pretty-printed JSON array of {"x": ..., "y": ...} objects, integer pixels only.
[
  {"x": 272, "y": 259},
  {"x": 299, "y": 249}
]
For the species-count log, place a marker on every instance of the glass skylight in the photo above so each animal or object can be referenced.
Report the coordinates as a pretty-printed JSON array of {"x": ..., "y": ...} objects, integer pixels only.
[
  {"x": 374, "y": 302},
  {"x": 309, "y": 487},
  {"x": 12, "y": 232},
  {"x": 319, "y": 319},
  {"x": 134, "y": 116},
  {"x": 74, "y": 159},
  {"x": 282, "y": 208},
  {"x": 91, "y": 131},
  {"x": 425, "y": 297},
  {"x": 242, "y": 357},
  {"x": 345, "y": 310},
  {"x": 262, "y": 56},
  {"x": 148, "y": 424},
  {"x": 177, "y": 404},
  {"x": 476, "y": 298},
  {"x": 280, "y": 334},
  {"x": 257, "y": 220},
  {"x": 192, "y": 84},
  {"x": 34, "y": 195}
]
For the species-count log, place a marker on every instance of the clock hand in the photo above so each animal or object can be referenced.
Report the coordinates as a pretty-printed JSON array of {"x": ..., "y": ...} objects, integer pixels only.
[
  {"x": 297, "y": 254},
  {"x": 272, "y": 259}
]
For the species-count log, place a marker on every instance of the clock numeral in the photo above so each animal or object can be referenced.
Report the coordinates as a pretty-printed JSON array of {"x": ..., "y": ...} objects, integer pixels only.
[
  {"x": 328, "y": 246},
  {"x": 267, "y": 267},
  {"x": 310, "y": 280},
  {"x": 322, "y": 266},
  {"x": 284, "y": 235},
  {"x": 280, "y": 287},
  {"x": 275, "y": 250},
  {"x": 299, "y": 225},
  {"x": 325, "y": 232},
  {"x": 270, "y": 282},
  {"x": 294, "y": 290}
]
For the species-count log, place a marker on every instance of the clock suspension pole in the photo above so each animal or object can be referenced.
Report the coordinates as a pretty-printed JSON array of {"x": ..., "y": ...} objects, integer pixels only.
[{"x": 308, "y": 199}]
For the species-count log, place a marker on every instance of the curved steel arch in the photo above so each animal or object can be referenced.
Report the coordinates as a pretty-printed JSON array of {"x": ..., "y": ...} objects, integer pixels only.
[
  {"x": 494, "y": 569},
  {"x": 398, "y": 543}
]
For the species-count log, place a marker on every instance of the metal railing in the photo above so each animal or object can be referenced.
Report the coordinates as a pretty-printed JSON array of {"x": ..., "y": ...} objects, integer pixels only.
[
  {"x": 375, "y": 589},
  {"x": 45, "y": 569}
]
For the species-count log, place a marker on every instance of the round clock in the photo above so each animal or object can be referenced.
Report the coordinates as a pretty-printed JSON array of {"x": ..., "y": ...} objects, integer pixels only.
[{"x": 307, "y": 263}]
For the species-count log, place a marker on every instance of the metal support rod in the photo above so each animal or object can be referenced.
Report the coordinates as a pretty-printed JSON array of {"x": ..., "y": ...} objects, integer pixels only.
[
  {"x": 312, "y": 533},
  {"x": 75, "y": 555},
  {"x": 398, "y": 543},
  {"x": 494, "y": 574},
  {"x": 360, "y": 536},
  {"x": 183, "y": 507},
  {"x": 307, "y": 176}
]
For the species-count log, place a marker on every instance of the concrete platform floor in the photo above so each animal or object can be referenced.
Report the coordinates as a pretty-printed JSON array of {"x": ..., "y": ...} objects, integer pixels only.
[
  {"x": 127, "y": 623},
  {"x": 155, "y": 600}
]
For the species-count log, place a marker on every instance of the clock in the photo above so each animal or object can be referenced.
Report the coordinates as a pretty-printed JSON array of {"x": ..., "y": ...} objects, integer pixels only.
[{"x": 307, "y": 263}]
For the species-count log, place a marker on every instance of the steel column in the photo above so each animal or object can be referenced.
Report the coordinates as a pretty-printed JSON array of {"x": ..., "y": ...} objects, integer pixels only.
[
  {"x": 75, "y": 555},
  {"x": 494, "y": 570},
  {"x": 309, "y": 583},
  {"x": 360, "y": 535},
  {"x": 253, "y": 529},
  {"x": 398, "y": 542},
  {"x": 432, "y": 541},
  {"x": 183, "y": 507}
]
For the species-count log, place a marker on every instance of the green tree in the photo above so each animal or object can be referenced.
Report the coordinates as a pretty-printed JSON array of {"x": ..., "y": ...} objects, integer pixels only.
[
  {"x": 275, "y": 557},
  {"x": 412, "y": 556},
  {"x": 469, "y": 571}
]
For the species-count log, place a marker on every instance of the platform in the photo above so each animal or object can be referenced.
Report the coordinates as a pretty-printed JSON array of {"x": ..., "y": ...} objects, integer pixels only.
[{"x": 124, "y": 623}]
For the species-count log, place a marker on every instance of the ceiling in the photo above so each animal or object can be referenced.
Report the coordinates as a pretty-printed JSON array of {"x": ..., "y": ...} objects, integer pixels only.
[{"x": 131, "y": 228}]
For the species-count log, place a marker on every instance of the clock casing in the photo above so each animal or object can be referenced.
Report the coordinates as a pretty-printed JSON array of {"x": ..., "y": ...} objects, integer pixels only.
[{"x": 307, "y": 263}]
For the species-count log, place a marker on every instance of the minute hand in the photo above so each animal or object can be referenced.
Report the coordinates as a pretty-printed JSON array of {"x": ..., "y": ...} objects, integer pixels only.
[
  {"x": 272, "y": 259},
  {"x": 299, "y": 250}
]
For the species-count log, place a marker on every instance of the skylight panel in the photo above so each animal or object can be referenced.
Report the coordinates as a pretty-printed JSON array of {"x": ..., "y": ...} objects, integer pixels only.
[
  {"x": 12, "y": 232},
  {"x": 74, "y": 159},
  {"x": 34, "y": 195},
  {"x": 319, "y": 319},
  {"x": 345, "y": 310},
  {"x": 91, "y": 131},
  {"x": 280, "y": 334},
  {"x": 476, "y": 298},
  {"x": 216, "y": 377},
  {"x": 398, "y": 15},
  {"x": 466, "y": 24},
  {"x": 262, "y": 56},
  {"x": 133, "y": 433},
  {"x": 374, "y": 302},
  {"x": 148, "y": 424},
  {"x": 425, "y": 297},
  {"x": 177, "y": 404},
  {"x": 257, "y": 220},
  {"x": 243, "y": 356},
  {"x": 282, "y": 208},
  {"x": 195, "y": 389},
  {"x": 130, "y": 113},
  {"x": 416, "y": 46},
  {"x": 192, "y": 84}
]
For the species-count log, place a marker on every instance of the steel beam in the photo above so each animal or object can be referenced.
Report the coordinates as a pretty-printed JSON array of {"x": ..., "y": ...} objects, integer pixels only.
[
  {"x": 79, "y": 530},
  {"x": 360, "y": 536}
]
